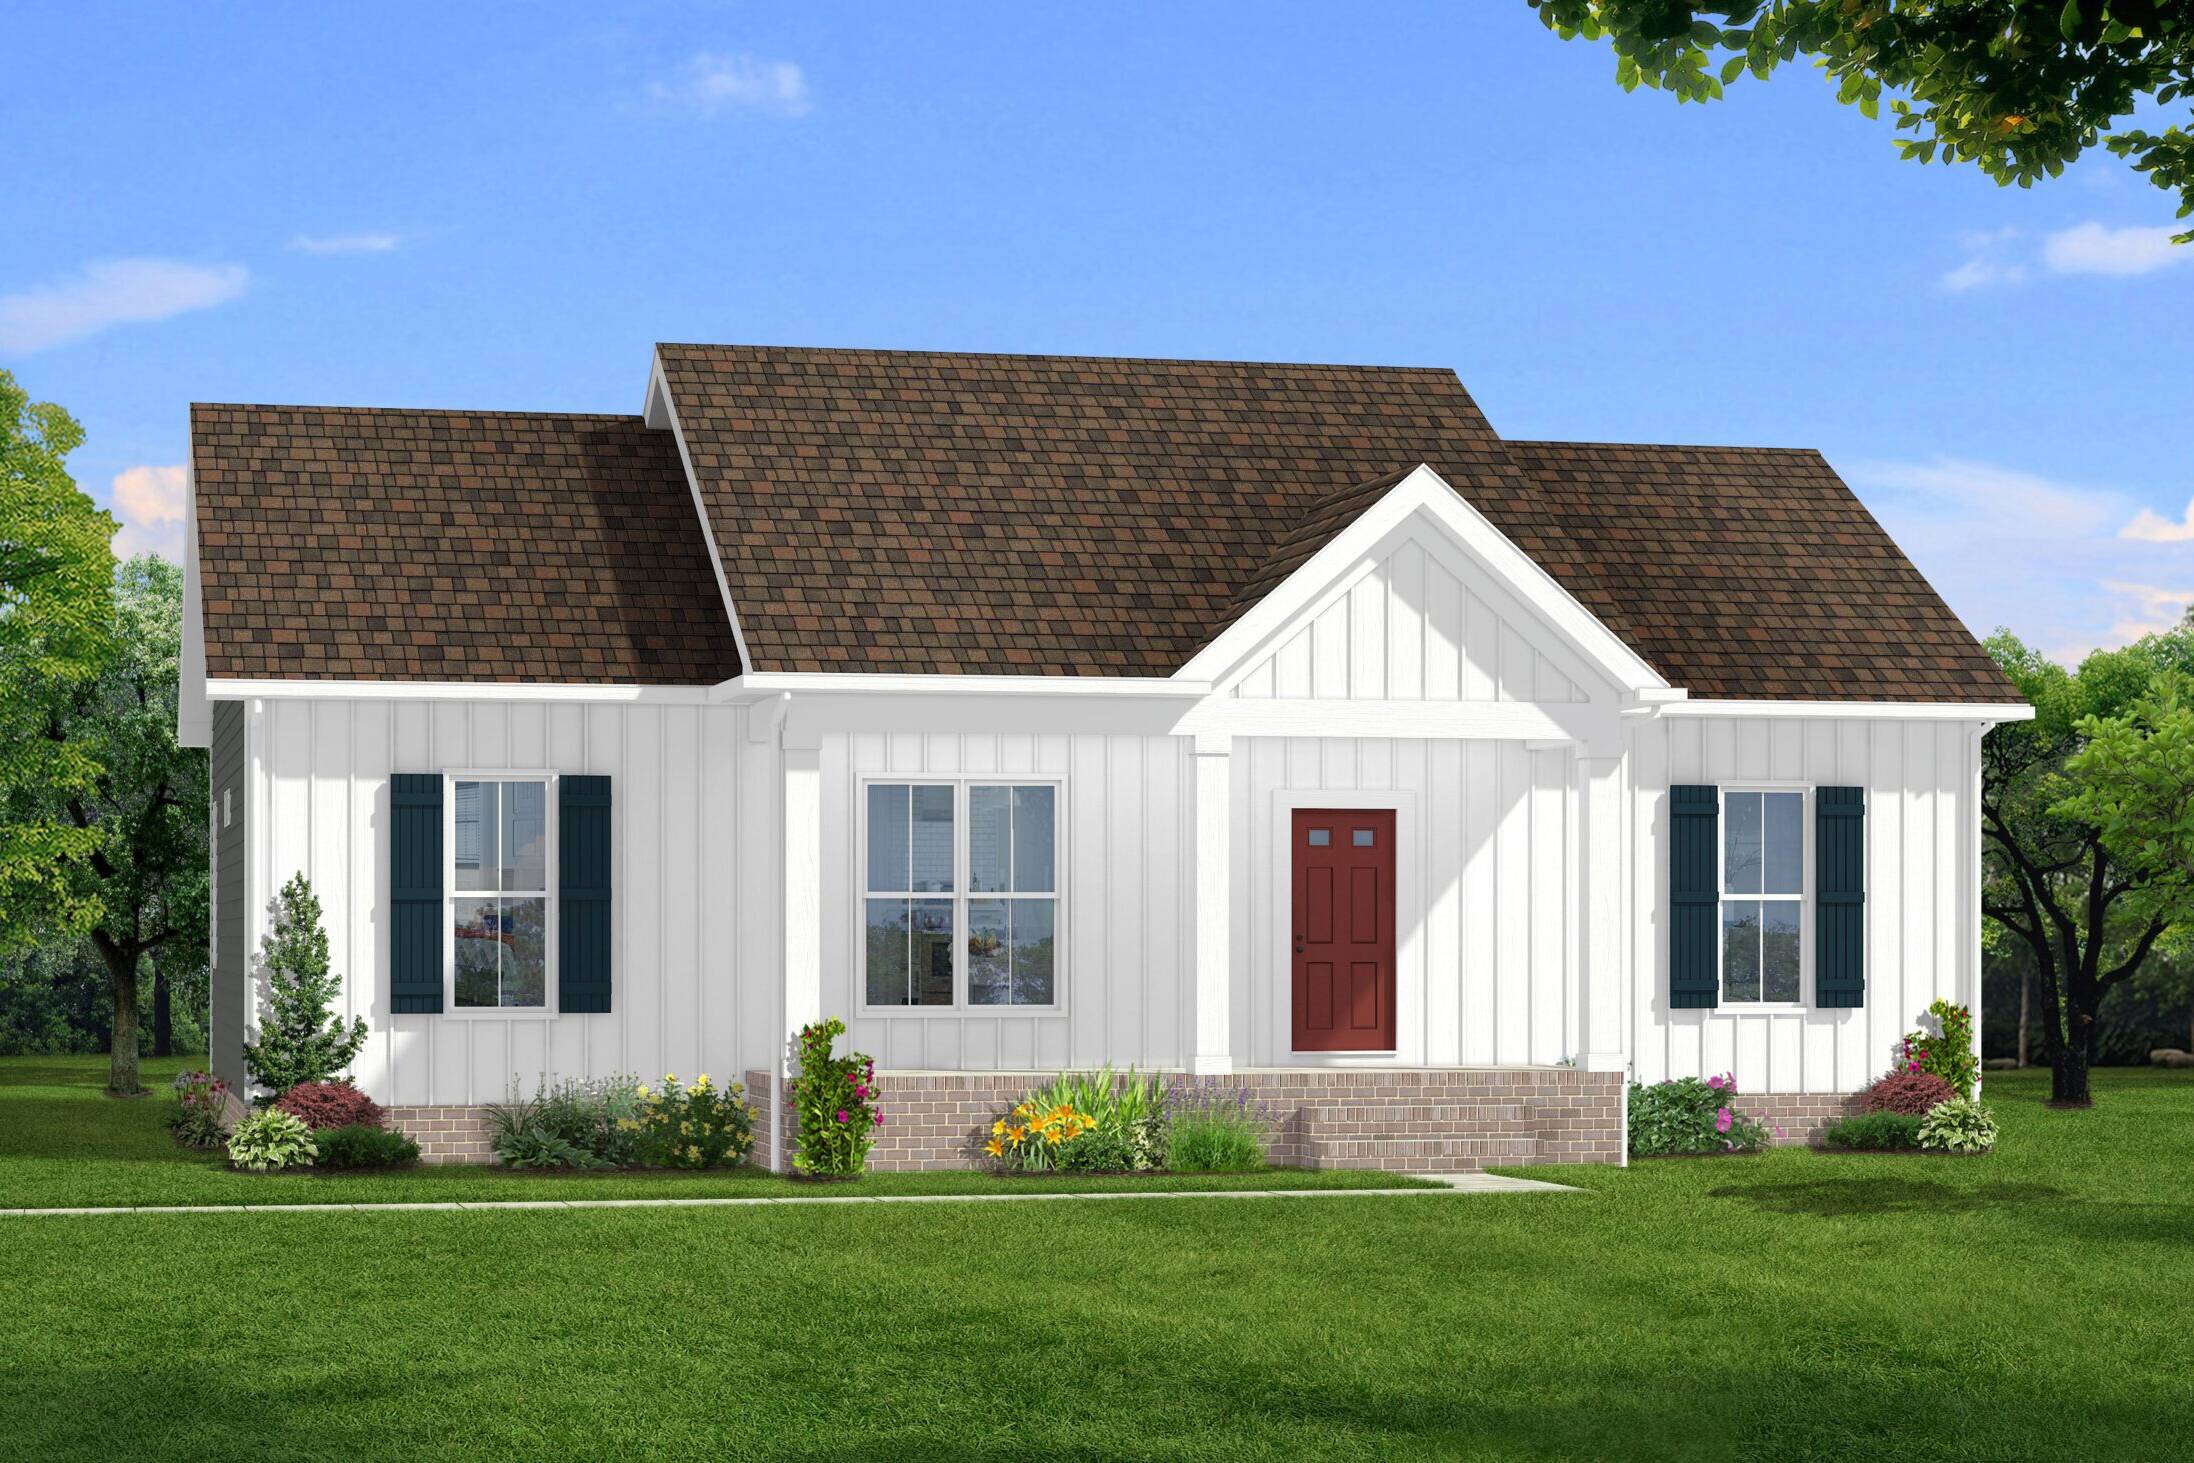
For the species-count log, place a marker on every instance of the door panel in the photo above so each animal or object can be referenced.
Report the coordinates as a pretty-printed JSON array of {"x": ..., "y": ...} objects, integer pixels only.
[{"x": 1343, "y": 972}]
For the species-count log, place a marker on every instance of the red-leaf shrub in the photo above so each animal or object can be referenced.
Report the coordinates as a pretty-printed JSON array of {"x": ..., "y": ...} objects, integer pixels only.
[
  {"x": 1911, "y": 1093},
  {"x": 331, "y": 1105}
]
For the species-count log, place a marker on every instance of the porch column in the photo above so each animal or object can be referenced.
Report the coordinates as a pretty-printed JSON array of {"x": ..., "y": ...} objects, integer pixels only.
[
  {"x": 801, "y": 995},
  {"x": 1213, "y": 771},
  {"x": 1604, "y": 956}
]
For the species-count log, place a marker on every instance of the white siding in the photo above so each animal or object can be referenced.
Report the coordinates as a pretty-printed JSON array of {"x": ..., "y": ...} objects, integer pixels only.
[
  {"x": 1418, "y": 625},
  {"x": 1921, "y": 882},
  {"x": 1125, "y": 908},
  {"x": 695, "y": 894}
]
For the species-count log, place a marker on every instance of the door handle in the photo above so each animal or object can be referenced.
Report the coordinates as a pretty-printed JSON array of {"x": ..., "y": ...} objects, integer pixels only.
[{"x": 1298, "y": 942}]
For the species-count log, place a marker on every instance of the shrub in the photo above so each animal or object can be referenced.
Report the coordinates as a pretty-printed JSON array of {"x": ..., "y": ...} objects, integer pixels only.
[
  {"x": 1909, "y": 1092},
  {"x": 834, "y": 1099},
  {"x": 271, "y": 1139},
  {"x": 364, "y": 1145},
  {"x": 1688, "y": 1115},
  {"x": 1214, "y": 1127},
  {"x": 299, "y": 1040},
  {"x": 599, "y": 1117},
  {"x": 201, "y": 1115},
  {"x": 520, "y": 1135},
  {"x": 1947, "y": 1052},
  {"x": 1960, "y": 1125},
  {"x": 693, "y": 1127},
  {"x": 1874, "y": 1130},
  {"x": 331, "y": 1105},
  {"x": 1084, "y": 1122}
]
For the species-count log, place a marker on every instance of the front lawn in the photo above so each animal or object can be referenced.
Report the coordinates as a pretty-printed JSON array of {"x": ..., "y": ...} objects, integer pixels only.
[
  {"x": 64, "y": 1144},
  {"x": 2031, "y": 1304}
]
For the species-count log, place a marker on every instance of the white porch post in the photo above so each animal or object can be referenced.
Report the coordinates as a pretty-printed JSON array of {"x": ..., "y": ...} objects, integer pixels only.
[
  {"x": 1604, "y": 956},
  {"x": 1213, "y": 1051},
  {"x": 801, "y": 996}
]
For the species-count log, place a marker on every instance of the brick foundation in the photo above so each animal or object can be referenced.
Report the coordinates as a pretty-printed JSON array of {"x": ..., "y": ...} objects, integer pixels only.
[
  {"x": 1419, "y": 1120},
  {"x": 445, "y": 1134},
  {"x": 1800, "y": 1116}
]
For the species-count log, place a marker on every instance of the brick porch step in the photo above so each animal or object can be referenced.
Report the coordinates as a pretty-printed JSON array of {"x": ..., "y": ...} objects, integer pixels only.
[
  {"x": 1415, "y": 1119},
  {"x": 1450, "y": 1154}
]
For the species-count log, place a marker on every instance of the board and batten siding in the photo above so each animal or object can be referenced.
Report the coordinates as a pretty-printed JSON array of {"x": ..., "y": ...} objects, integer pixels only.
[
  {"x": 695, "y": 881},
  {"x": 1125, "y": 913},
  {"x": 1922, "y": 892},
  {"x": 1409, "y": 628}
]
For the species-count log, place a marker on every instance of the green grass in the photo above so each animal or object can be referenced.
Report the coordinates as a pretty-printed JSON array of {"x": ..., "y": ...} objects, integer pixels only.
[
  {"x": 2030, "y": 1304},
  {"x": 66, "y": 1145}
]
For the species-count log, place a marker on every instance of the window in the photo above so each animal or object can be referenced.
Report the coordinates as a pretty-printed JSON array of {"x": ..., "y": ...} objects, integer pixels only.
[
  {"x": 961, "y": 899},
  {"x": 499, "y": 893},
  {"x": 1763, "y": 901}
]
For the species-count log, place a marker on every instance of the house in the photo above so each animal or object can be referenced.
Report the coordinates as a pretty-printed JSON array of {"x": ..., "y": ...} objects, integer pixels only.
[{"x": 1037, "y": 713}]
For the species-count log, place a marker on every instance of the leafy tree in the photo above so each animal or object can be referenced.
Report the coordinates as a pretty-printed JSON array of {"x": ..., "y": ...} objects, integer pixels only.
[
  {"x": 56, "y": 619},
  {"x": 143, "y": 813},
  {"x": 2018, "y": 88},
  {"x": 2053, "y": 877},
  {"x": 299, "y": 1040}
]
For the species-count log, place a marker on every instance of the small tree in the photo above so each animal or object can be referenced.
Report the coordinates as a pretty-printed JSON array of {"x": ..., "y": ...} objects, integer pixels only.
[{"x": 300, "y": 1041}]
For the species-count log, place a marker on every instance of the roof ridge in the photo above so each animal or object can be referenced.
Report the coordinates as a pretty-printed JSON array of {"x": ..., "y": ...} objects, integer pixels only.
[
  {"x": 419, "y": 411},
  {"x": 1078, "y": 359}
]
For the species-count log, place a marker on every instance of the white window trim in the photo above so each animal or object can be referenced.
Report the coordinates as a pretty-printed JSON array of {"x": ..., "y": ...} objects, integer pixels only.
[
  {"x": 1803, "y": 898},
  {"x": 550, "y": 994},
  {"x": 960, "y": 895}
]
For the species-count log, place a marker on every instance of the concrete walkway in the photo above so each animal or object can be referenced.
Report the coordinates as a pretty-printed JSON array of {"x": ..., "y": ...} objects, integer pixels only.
[{"x": 1455, "y": 1183}]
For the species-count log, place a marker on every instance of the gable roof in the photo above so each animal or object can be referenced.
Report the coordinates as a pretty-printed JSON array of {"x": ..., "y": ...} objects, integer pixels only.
[
  {"x": 922, "y": 512},
  {"x": 450, "y": 546},
  {"x": 1750, "y": 573}
]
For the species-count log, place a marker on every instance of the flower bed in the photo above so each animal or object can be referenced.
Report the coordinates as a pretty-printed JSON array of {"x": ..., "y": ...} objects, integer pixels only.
[{"x": 1693, "y": 1118}]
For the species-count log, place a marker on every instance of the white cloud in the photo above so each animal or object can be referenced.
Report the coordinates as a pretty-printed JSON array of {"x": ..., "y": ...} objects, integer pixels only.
[
  {"x": 149, "y": 501},
  {"x": 345, "y": 243},
  {"x": 1977, "y": 274},
  {"x": 113, "y": 292},
  {"x": 2049, "y": 559},
  {"x": 712, "y": 81},
  {"x": 2152, "y": 527},
  {"x": 2090, "y": 248}
]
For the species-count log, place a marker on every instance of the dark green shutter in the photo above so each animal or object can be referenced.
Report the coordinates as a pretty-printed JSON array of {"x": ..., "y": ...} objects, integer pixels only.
[
  {"x": 415, "y": 892},
  {"x": 1694, "y": 898},
  {"x": 582, "y": 893},
  {"x": 1839, "y": 890}
]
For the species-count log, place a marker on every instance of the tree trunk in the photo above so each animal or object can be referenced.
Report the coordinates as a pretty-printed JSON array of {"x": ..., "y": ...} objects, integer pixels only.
[
  {"x": 163, "y": 1019},
  {"x": 2026, "y": 1009},
  {"x": 122, "y": 984},
  {"x": 2190, "y": 1025},
  {"x": 2068, "y": 1072}
]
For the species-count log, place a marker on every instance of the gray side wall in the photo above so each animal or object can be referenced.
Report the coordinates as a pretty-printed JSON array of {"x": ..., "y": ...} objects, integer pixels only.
[{"x": 228, "y": 975}]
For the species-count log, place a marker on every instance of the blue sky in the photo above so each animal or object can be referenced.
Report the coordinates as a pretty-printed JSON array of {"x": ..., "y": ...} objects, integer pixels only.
[{"x": 503, "y": 206}]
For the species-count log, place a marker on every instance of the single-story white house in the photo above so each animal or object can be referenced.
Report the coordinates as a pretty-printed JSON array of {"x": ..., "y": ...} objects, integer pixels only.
[{"x": 1040, "y": 713}]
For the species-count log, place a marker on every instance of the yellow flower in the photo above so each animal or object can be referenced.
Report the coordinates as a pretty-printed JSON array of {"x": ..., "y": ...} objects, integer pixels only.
[
  {"x": 998, "y": 1127},
  {"x": 1017, "y": 1132},
  {"x": 1052, "y": 1139},
  {"x": 700, "y": 1083},
  {"x": 994, "y": 1149}
]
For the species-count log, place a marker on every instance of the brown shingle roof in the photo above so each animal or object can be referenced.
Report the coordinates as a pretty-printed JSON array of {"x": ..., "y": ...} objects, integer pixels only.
[
  {"x": 1743, "y": 572},
  {"x": 929, "y": 512},
  {"x": 459, "y": 546}
]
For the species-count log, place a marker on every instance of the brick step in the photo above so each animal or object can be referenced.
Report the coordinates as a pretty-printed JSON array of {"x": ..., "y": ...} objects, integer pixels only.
[
  {"x": 1450, "y": 1153},
  {"x": 1416, "y": 1119}
]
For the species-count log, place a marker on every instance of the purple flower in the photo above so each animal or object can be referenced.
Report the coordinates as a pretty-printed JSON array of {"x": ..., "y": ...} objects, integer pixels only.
[
  {"x": 1715, "y": 1083},
  {"x": 1722, "y": 1120}
]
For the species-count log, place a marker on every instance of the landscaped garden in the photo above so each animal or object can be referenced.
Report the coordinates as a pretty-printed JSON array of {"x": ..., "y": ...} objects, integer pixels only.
[{"x": 1796, "y": 1304}]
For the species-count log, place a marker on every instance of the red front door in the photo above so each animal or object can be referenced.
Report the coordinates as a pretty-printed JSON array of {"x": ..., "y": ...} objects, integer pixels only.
[{"x": 1344, "y": 929}]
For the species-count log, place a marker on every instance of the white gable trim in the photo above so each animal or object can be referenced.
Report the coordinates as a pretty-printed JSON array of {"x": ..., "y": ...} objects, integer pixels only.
[
  {"x": 193, "y": 712},
  {"x": 1424, "y": 493},
  {"x": 661, "y": 410}
]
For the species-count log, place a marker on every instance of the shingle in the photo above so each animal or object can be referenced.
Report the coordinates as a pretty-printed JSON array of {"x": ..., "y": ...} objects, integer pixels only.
[{"x": 474, "y": 546}]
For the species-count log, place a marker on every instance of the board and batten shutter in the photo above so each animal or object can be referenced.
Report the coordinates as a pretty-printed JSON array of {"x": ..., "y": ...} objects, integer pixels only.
[
  {"x": 582, "y": 894},
  {"x": 1839, "y": 893},
  {"x": 415, "y": 892},
  {"x": 1694, "y": 898}
]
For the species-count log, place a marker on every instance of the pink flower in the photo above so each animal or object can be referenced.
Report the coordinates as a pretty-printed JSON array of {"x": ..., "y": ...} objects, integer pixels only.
[
  {"x": 1722, "y": 1120},
  {"x": 1714, "y": 1082},
  {"x": 841, "y": 1115}
]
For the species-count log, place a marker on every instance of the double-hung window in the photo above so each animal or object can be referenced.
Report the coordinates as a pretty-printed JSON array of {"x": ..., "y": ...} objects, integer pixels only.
[
  {"x": 961, "y": 898},
  {"x": 499, "y": 893},
  {"x": 1763, "y": 896}
]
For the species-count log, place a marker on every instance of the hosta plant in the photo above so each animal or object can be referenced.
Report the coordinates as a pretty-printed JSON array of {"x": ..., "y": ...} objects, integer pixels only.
[
  {"x": 1960, "y": 1125},
  {"x": 693, "y": 1127},
  {"x": 201, "y": 1114},
  {"x": 272, "y": 1139}
]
